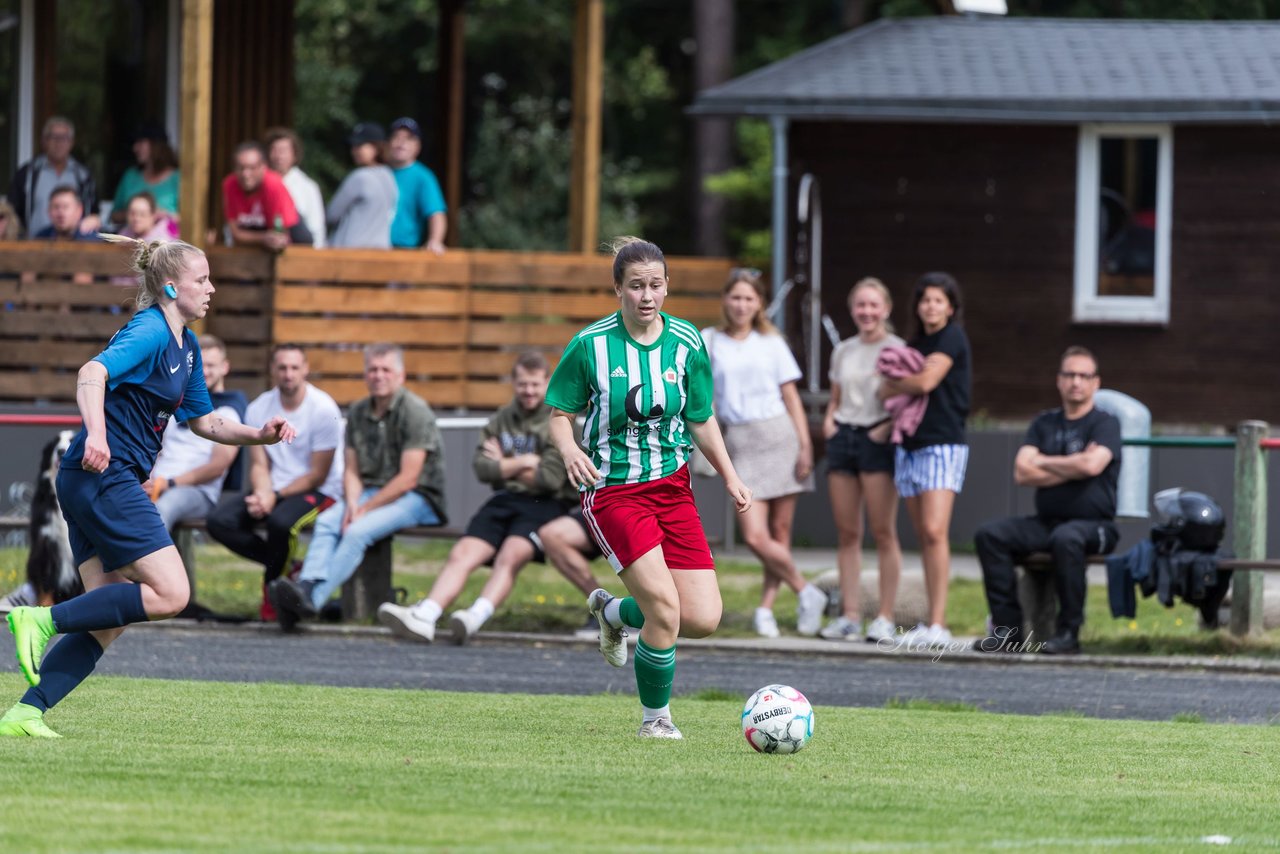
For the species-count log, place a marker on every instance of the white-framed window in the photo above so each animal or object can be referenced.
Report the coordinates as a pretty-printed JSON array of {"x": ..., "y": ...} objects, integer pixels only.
[{"x": 1124, "y": 208}]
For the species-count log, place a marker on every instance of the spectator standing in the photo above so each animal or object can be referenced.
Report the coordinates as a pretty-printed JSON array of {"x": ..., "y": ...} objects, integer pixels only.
[
  {"x": 258, "y": 209},
  {"x": 1072, "y": 457},
  {"x": 34, "y": 182},
  {"x": 860, "y": 463},
  {"x": 289, "y": 483},
  {"x": 421, "y": 203},
  {"x": 66, "y": 218},
  {"x": 284, "y": 153},
  {"x": 929, "y": 466},
  {"x": 156, "y": 172},
  {"x": 186, "y": 480},
  {"x": 394, "y": 480},
  {"x": 365, "y": 204},
  {"x": 516, "y": 457},
  {"x": 766, "y": 433}
]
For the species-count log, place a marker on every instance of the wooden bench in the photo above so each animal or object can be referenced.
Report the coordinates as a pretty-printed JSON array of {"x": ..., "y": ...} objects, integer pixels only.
[
  {"x": 1038, "y": 593},
  {"x": 361, "y": 595}
]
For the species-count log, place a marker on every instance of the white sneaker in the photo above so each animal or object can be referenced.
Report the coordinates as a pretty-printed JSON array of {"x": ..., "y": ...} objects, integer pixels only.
[
  {"x": 766, "y": 625},
  {"x": 463, "y": 624},
  {"x": 613, "y": 642},
  {"x": 809, "y": 607},
  {"x": 925, "y": 637},
  {"x": 24, "y": 596},
  {"x": 659, "y": 728},
  {"x": 405, "y": 623},
  {"x": 842, "y": 628},
  {"x": 881, "y": 629}
]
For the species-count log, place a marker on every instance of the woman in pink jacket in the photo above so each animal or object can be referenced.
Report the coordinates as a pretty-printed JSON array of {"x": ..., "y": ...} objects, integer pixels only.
[{"x": 929, "y": 465}]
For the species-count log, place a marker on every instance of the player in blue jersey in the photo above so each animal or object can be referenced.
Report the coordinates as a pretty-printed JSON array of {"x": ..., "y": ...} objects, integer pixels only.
[{"x": 149, "y": 373}]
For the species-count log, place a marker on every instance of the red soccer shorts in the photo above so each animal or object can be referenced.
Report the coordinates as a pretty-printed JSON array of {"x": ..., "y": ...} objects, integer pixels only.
[{"x": 630, "y": 519}]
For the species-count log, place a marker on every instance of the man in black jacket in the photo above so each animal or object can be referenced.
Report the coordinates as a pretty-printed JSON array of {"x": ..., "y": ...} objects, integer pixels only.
[
  {"x": 1072, "y": 456},
  {"x": 35, "y": 180}
]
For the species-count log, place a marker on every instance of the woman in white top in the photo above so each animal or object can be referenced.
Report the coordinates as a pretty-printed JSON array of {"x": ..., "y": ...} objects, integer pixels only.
[
  {"x": 284, "y": 153},
  {"x": 860, "y": 463},
  {"x": 767, "y": 434}
]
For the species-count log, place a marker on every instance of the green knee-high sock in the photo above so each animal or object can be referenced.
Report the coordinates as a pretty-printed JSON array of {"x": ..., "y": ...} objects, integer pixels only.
[
  {"x": 630, "y": 614},
  {"x": 655, "y": 670}
]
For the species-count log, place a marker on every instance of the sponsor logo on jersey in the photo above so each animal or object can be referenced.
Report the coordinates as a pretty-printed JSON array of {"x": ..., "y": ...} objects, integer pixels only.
[{"x": 632, "y": 405}]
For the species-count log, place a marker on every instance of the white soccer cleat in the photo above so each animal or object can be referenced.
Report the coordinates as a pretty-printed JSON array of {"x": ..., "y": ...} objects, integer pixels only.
[
  {"x": 810, "y": 603},
  {"x": 404, "y": 623},
  {"x": 842, "y": 628},
  {"x": 613, "y": 642},
  {"x": 659, "y": 728},
  {"x": 765, "y": 624},
  {"x": 463, "y": 624}
]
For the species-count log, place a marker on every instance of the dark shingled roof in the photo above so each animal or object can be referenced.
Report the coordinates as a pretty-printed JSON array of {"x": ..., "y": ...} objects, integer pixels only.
[{"x": 979, "y": 69}]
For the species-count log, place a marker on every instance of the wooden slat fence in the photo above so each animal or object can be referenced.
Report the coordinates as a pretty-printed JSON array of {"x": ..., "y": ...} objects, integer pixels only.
[{"x": 462, "y": 317}]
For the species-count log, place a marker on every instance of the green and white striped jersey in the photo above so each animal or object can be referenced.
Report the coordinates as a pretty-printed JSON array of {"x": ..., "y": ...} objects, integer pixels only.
[{"x": 637, "y": 397}]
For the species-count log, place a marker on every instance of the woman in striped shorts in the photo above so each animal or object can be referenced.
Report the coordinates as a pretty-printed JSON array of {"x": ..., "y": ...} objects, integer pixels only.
[{"x": 929, "y": 466}]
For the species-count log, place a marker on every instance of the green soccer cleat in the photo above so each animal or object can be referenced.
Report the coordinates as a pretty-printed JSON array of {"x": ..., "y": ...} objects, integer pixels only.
[
  {"x": 31, "y": 628},
  {"x": 23, "y": 720}
]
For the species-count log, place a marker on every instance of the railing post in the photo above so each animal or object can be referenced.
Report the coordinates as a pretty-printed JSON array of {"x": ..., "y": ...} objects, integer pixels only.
[{"x": 1250, "y": 526}]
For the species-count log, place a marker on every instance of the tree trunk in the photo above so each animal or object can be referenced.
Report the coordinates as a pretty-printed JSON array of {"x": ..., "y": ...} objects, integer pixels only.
[{"x": 713, "y": 24}]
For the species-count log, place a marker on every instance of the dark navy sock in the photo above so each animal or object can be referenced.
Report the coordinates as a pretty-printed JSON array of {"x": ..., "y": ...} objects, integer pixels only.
[
  {"x": 108, "y": 607},
  {"x": 70, "y": 661}
]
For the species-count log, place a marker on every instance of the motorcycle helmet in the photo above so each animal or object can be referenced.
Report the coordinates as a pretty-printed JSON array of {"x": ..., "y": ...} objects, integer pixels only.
[{"x": 1197, "y": 518}]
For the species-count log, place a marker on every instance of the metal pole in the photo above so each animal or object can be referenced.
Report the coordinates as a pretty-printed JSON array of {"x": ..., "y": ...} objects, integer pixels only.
[
  {"x": 781, "y": 170},
  {"x": 1250, "y": 527}
]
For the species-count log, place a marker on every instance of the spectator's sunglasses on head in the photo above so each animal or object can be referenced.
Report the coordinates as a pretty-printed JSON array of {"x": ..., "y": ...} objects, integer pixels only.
[{"x": 745, "y": 274}]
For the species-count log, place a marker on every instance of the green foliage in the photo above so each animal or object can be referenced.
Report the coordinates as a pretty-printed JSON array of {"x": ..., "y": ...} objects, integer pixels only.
[
  {"x": 919, "y": 704},
  {"x": 155, "y": 765}
]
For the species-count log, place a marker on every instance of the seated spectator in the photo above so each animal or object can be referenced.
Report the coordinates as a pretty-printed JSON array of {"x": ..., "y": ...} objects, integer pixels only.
[
  {"x": 360, "y": 213},
  {"x": 1072, "y": 457},
  {"x": 568, "y": 544},
  {"x": 258, "y": 209},
  {"x": 10, "y": 223},
  {"x": 143, "y": 219},
  {"x": 66, "y": 214},
  {"x": 289, "y": 483},
  {"x": 187, "y": 478},
  {"x": 515, "y": 456},
  {"x": 34, "y": 182},
  {"x": 421, "y": 205},
  {"x": 284, "y": 153},
  {"x": 155, "y": 173},
  {"x": 394, "y": 480}
]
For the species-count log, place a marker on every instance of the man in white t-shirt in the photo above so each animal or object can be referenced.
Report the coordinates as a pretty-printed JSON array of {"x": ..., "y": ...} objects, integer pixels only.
[
  {"x": 289, "y": 484},
  {"x": 187, "y": 478}
]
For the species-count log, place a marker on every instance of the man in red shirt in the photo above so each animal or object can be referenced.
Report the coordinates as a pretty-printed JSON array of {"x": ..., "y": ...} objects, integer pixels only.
[{"x": 258, "y": 208}]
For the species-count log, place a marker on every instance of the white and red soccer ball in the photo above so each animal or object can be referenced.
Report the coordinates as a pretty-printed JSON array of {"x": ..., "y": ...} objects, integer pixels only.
[{"x": 777, "y": 719}]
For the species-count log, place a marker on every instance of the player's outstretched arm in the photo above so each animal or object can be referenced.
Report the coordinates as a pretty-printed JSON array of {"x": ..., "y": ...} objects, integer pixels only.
[
  {"x": 215, "y": 428},
  {"x": 91, "y": 392}
]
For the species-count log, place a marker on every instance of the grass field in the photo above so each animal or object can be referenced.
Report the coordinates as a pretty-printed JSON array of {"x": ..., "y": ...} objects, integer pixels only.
[
  {"x": 148, "y": 765},
  {"x": 544, "y": 602}
]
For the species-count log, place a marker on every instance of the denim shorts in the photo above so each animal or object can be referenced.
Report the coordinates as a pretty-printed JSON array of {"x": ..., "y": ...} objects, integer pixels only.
[
  {"x": 851, "y": 451},
  {"x": 931, "y": 467}
]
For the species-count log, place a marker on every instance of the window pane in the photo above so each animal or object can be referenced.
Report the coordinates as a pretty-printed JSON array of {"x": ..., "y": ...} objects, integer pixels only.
[{"x": 1127, "y": 216}]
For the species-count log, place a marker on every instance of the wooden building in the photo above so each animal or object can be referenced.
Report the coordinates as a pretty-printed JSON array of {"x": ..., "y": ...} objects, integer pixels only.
[
  {"x": 218, "y": 72},
  {"x": 1113, "y": 183}
]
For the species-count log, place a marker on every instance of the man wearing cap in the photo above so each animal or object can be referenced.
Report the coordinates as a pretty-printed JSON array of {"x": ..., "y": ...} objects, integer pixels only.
[
  {"x": 421, "y": 202},
  {"x": 360, "y": 213},
  {"x": 258, "y": 207}
]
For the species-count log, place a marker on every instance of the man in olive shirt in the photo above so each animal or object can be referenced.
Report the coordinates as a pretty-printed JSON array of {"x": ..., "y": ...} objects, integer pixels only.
[{"x": 394, "y": 479}]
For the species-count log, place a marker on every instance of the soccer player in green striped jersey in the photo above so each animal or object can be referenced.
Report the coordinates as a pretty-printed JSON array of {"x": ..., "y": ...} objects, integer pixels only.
[{"x": 644, "y": 380}]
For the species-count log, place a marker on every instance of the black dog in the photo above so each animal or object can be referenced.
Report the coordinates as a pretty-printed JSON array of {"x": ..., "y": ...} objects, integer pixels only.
[{"x": 50, "y": 568}]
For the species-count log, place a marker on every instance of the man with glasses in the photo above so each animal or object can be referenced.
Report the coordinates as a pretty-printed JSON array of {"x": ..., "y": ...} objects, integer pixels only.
[
  {"x": 34, "y": 182},
  {"x": 1072, "y": 457}
]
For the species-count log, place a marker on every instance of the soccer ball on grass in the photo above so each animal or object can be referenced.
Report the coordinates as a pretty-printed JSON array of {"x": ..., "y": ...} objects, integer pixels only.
[{"x": 777, "y": 719}]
